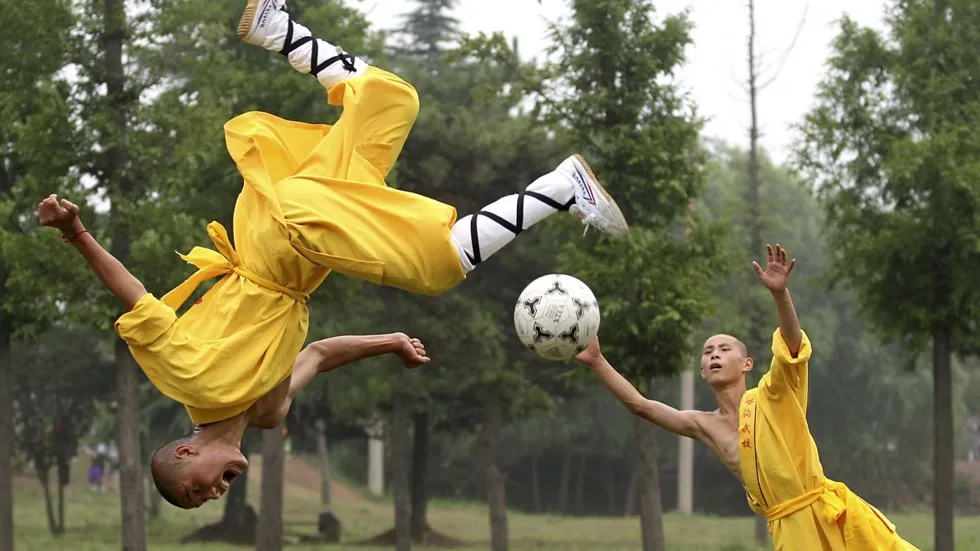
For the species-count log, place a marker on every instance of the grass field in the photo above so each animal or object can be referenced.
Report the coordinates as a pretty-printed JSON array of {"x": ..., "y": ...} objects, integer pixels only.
[{"x": 92, "y": 523}]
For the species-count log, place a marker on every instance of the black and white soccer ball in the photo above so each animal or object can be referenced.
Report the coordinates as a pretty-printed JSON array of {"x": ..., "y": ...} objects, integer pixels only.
[{"x": 556, "y": 316}]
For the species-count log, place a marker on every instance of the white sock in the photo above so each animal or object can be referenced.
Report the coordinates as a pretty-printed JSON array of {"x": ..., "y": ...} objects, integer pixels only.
[
  {"x": 308, "y": 54},
  {"x": 478, "y": 236}
]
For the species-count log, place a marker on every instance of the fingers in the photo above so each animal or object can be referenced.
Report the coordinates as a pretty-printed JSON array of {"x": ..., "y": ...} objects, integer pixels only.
[
  {"x": 758, "y": 269},
  {"x": 777, "y": 255},
  {"x": 420, "y": 358},
  {"x": 792, "y": 265},
  {"x": 72, "y": 208}
]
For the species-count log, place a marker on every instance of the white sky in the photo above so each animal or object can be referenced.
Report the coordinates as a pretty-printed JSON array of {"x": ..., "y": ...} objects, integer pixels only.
[{"x": 716, "y": 66}]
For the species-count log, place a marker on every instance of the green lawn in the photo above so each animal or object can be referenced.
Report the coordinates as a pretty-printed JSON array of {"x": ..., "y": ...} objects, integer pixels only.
[{"x": 93, "y": 524}]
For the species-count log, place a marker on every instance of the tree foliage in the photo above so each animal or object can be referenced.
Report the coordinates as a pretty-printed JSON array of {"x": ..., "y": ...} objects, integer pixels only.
[{"x": 891, "y": 146}]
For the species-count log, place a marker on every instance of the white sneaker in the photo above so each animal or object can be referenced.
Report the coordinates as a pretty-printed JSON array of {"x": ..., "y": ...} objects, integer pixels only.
[
  {"x": 593, "y": 204},
  {"x": 262, "y": 24}
]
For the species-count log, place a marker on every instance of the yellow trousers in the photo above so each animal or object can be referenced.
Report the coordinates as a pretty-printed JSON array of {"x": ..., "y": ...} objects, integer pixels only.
[{"x": 328, "y": 181}]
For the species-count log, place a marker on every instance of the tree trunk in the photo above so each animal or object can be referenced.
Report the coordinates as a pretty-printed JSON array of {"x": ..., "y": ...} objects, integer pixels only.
[
  {"x": 127, "y": 376},
  {"x": 236, "y": 500},
  {"x": 756, "y": 314},
  {"x": 420, "y": 456},
  {"x": 943, "y": 419},
  {"x": 583, "y": 464},
  {"x": 130, "y": 464},
  {"x": 156, "y": 500},
  {"x": 6, "y": 439},
  {"x": 685, "y": 451},
  {"x": 651, "y": 509},
  {"x": 761, "y": 531},
  {"x": 268, "y": 537},
  {"x": 630, "y": 503},
  {"x": 611, "y": 493},
  {"x": 61, "y": 508},
  {"x": 564, "y": 482},
  {"x": 400, "y": 459},
  {"x": 42, "y": 476},
  {"x": 323, "y": 454},
  {"x": 496, "y": 486},
  {"x": 536, "y": 505}
]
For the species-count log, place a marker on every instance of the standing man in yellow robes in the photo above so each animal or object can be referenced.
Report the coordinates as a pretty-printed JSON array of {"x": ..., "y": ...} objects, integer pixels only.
[
  {"x": 762, "y": 437},
  {"x": 314, "y": 201}
]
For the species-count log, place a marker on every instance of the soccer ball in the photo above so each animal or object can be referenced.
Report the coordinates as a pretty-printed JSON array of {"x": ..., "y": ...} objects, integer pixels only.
[{"x": 556, "y": 316}]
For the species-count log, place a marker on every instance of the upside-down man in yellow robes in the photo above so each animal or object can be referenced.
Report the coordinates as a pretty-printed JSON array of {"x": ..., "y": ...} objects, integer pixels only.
[
  {"x": 314, "y": 200},
  {"x": 762, "y": 437}
]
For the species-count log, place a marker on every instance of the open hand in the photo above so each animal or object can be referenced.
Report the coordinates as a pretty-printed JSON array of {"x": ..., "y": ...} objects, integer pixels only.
[
  {"x": 412, "y": 352},
  {"x": 590, "y": 355},
  {"x": 776, "y": 276},
  {"x": 63, "y": 215}
]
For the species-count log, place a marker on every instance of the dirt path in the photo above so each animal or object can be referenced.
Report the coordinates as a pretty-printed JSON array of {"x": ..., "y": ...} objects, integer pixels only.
[{"x": 305, "y": 477}]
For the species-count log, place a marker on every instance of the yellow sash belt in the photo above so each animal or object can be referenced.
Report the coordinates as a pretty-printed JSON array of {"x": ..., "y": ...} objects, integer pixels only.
[
  {"x": 225, "y": 260},
  {"x": 833, "y": 494}
]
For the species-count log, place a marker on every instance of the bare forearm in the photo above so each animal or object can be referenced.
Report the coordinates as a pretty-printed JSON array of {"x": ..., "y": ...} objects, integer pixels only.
[
  {"x": 338, "y": 351},
  {"x": 622, "y": 389},
  {"x": 324, "y": 355},
  {"x": 789, "y": 324},
  {"x": 116, "y": 278}
]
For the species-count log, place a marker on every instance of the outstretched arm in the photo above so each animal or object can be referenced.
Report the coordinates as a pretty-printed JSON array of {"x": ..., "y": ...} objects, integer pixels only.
[
  {"x": 116, "y": 278},
  {"x": 679, "y": 422},
  {"x": 776, "y": 279},
  {"x": 324, "y": 355},
  {"x": 327, "y": 354},
  {"x": 789, "y": 324}
]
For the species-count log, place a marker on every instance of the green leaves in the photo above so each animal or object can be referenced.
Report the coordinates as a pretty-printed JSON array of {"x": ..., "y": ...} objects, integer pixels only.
[
  {"x": 892, "y": 148},
  {"x": 613, "y": 98}
]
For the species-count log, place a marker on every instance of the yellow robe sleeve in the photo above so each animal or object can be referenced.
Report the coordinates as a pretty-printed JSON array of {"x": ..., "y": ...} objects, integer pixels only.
[
  {"x": 170, "y": 357},
  {"x": 147, "y": 322},
  {"x": 788, "y": 374}
]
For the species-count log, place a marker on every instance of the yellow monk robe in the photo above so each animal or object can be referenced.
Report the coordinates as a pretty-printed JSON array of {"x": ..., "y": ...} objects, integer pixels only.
[
  {"x": 781, "y": 468},
  {"x": 314, "y": 200}
]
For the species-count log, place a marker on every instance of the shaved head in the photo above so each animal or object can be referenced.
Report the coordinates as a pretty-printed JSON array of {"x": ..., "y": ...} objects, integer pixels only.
[
  {"x": 735, "y": 341},
  {"x": 168, "y": 470}
]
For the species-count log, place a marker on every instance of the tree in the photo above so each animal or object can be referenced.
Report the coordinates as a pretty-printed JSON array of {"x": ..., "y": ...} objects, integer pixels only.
[
  {"x": 890, "y": 146},
  {"x": 57, "y": 381},
  {"x": 6, "y": 441},
  {"x": 467, "y": 148},
  {"x": 429, "y": 30},
  {"x": 35, "y": 148},
  {"x": 612, "y": 97},
  {"x": 118, "y": 180},
  {"x": 756, "y": 305}
]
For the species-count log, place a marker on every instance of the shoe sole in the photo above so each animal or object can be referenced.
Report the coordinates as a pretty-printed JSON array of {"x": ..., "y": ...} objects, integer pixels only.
[
  {"x": 595, "y": 181},
  {"x": 248, "y": 17}
]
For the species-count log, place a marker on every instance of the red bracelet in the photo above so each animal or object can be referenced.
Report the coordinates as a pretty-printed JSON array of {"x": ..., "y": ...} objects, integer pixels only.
[{"x": 74, "y": 237}]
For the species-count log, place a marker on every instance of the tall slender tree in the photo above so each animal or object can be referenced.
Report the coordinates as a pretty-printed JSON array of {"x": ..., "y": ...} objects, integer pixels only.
[
  {"x": 891, "y": 145},
  {"x": 118, "y": 180},
  {"x": 613, "y": 98}
]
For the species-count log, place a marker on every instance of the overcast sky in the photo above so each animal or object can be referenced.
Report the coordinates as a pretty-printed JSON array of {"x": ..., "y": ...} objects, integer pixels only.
[{"x": 716, "y": 66}]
